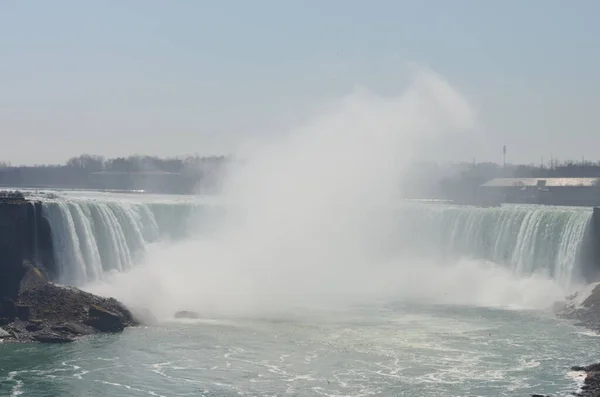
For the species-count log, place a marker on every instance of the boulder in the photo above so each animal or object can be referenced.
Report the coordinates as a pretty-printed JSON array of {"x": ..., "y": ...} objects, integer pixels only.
[
  {"x": 34, "y": 326},
  {"x": 52, "y": 337},
  {"x": 187, "y": 314},
  {"x": 75, "y": 329},
  {"x": 33, "y": 277},
  {"x": 587, "y": 368},
  {"x": 104, "y": 320},
  {"x": 4, "y": 333}
]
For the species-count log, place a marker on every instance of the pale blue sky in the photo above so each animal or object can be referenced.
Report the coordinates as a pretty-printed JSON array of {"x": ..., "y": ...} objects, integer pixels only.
[{"x": 169, "y": 77}]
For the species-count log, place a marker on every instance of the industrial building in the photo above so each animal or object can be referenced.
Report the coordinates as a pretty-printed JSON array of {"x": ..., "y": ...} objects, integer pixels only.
[{"x": 548, "y": 191}]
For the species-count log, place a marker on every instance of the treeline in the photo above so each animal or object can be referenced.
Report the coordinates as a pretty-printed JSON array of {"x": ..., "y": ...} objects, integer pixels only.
[
  {"x": 192, "y": 174},
  {"x": 556, "y": 169},
  {"x": 182, "y": 175}
]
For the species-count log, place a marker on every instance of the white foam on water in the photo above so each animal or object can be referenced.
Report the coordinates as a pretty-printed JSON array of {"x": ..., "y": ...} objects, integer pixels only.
[
  {"x": 589, "y": 333},
  {"x": 579, "y": 378},
  {"x": 18, "y": 384}
]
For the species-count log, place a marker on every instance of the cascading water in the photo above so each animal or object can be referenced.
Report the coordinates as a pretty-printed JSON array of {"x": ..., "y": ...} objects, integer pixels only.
[
  {"x": 526, "y": 239},
  {"x": 92, "y": 237}
]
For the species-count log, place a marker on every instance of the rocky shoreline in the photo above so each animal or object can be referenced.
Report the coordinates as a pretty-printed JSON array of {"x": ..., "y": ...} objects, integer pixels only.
[
  {"x": 583, "y": 307},
  {"x": 46, "y": 312},
  {"x": 591, "y": 386}
]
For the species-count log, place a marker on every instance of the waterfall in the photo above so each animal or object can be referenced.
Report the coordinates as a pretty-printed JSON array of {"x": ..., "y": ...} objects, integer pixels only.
[
  {"x": 94, "y": 237},
  {"x": 527, "y": 239}
]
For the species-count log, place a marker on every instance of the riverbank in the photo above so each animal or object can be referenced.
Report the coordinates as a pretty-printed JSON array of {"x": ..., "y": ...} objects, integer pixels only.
[
  {"x": 583, "y": 307},
  {"x": 46, "y": 312}
]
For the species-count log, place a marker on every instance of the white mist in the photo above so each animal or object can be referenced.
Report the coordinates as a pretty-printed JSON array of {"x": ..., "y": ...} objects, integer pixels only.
[{"x": 312, "y": 210}]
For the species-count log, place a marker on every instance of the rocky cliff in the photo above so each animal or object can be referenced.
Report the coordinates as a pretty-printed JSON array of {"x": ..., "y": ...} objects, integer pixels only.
[
  {"x": 31, "y": 307},
  {"x": 583, "y": 307}
]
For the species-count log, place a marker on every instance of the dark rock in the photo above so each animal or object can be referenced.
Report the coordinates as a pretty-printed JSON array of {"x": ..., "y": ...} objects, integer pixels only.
[
  {"x": 60, "y": 304},
  {"x": 52, "y": 313},
  {"x": 187, "y": 314},
  {"x": 104, "y": 320},
  {"x": 4, "y": 321},
  {"x": 51, "y": 337},
  {"x": 592, "y": 368},
  {"x": 75, "y": 329},
  {"x": 11, "y": 268},
  {"x": 33, "y": 327},
  {"x": 25, "y": 312},
  {"x": 8, "y": 309},
  {"x": 591, "y": 387},
  {"x": 18, "y": 225},
  {"x": 15, "y": 335},
  {"x": 583, "y": 307},
  {"x": 32, "y": 278}
]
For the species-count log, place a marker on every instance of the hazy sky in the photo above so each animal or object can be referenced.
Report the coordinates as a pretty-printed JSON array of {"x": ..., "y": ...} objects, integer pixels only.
[{"x": 167, "y": 77}]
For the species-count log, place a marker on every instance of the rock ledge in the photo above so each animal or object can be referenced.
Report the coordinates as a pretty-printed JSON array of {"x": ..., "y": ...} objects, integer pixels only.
[
  {"x": 583, "y": 307},
  {"x": 51, "y": 313}
]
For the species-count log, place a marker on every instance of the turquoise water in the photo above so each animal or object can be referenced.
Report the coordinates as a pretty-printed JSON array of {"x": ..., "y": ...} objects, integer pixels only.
[{"x": 382, "y": 349}]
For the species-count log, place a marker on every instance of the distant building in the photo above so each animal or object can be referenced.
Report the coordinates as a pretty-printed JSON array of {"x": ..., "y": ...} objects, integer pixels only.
[{"x": 548, "y": 191}]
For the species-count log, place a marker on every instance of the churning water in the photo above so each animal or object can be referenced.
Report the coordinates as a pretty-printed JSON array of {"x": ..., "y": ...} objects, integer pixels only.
[{"x": 382, "y": 349}]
